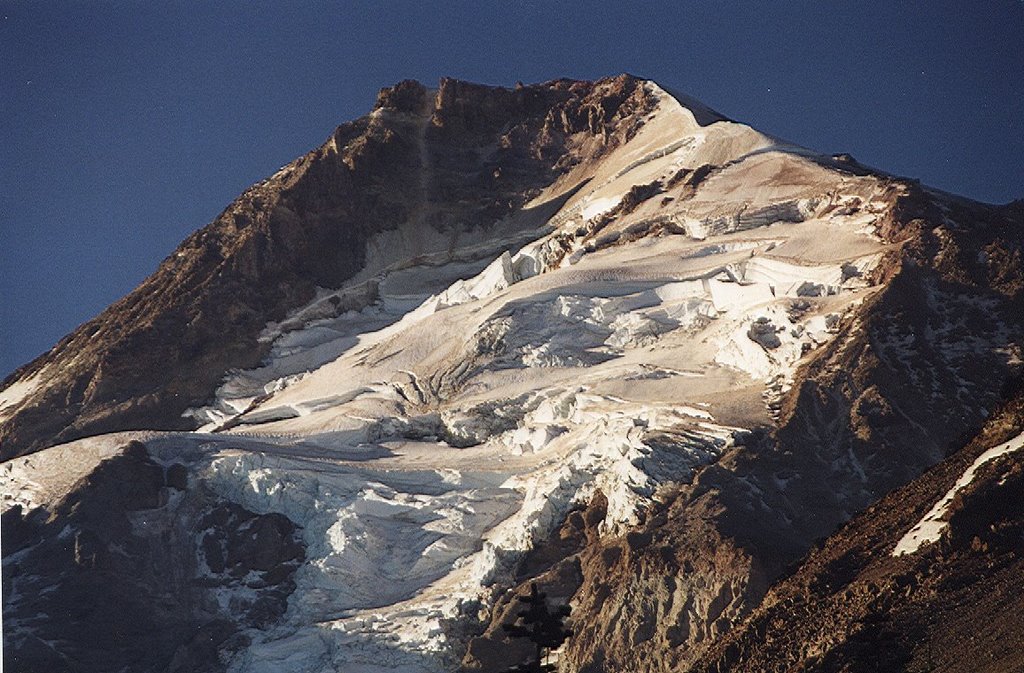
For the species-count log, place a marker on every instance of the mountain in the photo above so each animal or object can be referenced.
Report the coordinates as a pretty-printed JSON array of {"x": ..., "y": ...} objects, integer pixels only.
[{"x": 693, "y": 380}]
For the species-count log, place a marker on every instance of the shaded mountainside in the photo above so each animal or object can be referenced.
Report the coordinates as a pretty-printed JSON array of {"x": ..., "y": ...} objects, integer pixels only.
[
  {"x": 140, "y": 568},
  {"x": 952, "y": 605},
  {"x": 586, "y": 334},
  {"x": 436, "y": 166}
]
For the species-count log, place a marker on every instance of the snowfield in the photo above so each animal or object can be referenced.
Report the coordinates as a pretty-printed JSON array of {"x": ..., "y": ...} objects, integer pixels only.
[{"x": 428, "y": 424}]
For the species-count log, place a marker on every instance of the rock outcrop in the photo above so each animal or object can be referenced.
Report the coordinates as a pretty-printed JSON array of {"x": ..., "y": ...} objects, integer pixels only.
[
  {"x": 859, "y": 602},
  {"x": 134, "y": 569},
  {"x": 435, "y": 168}
]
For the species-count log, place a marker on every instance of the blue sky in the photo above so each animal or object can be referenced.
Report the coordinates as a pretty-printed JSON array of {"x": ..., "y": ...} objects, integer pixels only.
[{"x": 130, "y": 124}]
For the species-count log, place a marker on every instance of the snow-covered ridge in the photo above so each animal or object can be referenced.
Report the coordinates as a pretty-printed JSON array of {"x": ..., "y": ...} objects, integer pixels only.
[
  {"x": 671, "y": 140},
  {"x": 929, "y": 529}
]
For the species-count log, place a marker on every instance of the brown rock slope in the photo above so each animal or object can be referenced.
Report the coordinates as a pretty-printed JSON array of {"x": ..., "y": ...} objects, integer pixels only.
[
  {"x": 951, "y": 606},
  {"x": 434, "y": 164}
]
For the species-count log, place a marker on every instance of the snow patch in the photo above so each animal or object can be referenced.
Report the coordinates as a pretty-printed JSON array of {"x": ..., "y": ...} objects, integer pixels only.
[
  {"x": 929, "y": 529},
  {"x": 14, "y": 394}
]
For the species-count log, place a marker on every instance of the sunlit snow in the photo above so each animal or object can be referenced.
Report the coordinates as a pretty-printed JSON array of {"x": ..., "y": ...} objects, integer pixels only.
[{"x": 426, "y": 424}]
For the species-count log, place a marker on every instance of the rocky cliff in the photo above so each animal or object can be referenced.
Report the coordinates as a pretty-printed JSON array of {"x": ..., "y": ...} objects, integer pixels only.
[{"x": 442, "y": 171}]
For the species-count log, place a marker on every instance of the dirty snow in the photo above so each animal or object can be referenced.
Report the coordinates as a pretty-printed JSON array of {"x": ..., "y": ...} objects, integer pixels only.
[{"x": 15, "y": 394}]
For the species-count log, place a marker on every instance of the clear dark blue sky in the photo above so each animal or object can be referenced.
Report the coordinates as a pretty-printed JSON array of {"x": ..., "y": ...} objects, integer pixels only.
[{"x": 127, "y": 125}]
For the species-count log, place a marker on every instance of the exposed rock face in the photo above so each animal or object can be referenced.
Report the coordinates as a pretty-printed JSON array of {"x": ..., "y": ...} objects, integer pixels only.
[
  {"x": 133, "y": 570},
  {"x": 432, "y": 166},
  {"x": 591, "y": 335},
  {"x": 855, "y": 604},
  {"x": 554, "y": 566}
]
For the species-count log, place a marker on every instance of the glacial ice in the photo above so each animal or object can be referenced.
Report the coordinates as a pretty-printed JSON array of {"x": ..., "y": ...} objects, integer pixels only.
[{"x": 426, "y": 424}]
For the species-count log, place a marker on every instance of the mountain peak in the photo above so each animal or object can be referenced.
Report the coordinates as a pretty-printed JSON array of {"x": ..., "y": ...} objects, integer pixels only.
[{"x": 585, "y": 334}]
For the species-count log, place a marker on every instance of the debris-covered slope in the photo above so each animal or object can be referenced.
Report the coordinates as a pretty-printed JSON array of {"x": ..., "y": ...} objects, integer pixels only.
[
  {"x": 878, "y": 595},
  {"x": 670, "y": 357}
]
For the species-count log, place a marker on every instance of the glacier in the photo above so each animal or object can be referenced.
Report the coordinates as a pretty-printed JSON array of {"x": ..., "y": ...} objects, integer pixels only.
[{"x": 429, "y": 423}]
